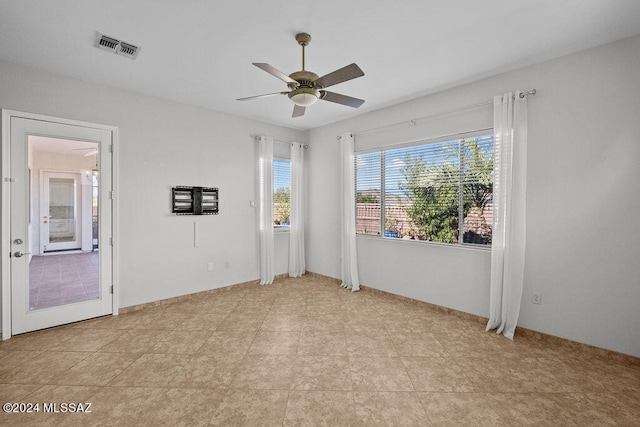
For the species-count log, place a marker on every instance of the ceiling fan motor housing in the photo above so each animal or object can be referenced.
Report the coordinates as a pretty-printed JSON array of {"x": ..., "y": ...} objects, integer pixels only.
[
  {"x": 304, "y": 78},
  {"x": 305, "y": 93}
]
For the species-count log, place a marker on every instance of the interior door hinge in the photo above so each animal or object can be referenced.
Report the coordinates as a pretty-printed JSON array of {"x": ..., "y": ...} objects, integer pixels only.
[
  {"x": 111, "y": 241},
  {"x": 113, "y": 195},
  {"x": 111, "y": 148},
  {"x": 111, "y": 289},
  {"x": 9, "y": 180}
]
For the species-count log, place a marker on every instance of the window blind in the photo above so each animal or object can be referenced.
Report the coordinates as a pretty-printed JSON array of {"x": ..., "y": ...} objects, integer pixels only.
[
  {"x": 439, "y": 192},
  {"x": 281, "y": 192}
]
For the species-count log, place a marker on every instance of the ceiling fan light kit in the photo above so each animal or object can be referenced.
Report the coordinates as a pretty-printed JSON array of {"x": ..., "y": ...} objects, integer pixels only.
[
  {"x": 306, "y": 87},
  {"x": 304, "y": 96}
]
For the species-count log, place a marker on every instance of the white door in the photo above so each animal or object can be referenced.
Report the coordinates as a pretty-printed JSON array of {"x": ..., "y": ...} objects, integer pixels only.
[
  {"x": 67, "y": 299},
  {"x": 60, "y": 221}
]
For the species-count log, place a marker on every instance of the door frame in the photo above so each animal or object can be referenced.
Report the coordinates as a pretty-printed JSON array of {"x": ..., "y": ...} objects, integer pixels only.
[
  {"x": 44, "y": 186},
  {"x": 5, "y": 229}
]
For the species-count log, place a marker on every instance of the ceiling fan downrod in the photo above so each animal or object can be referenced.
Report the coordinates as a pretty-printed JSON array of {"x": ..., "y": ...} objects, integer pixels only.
[{"x": 303, "y": 40}]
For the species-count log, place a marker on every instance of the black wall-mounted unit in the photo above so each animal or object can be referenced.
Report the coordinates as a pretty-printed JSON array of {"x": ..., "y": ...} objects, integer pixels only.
[{"x": 194, "y": 200}]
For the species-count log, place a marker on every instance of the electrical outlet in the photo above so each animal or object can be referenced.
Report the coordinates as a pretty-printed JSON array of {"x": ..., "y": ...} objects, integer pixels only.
[
  {"x": 227, "y": 264},
  {"x": 536, "y": 298},
  {"x": 210, "y": 266}
]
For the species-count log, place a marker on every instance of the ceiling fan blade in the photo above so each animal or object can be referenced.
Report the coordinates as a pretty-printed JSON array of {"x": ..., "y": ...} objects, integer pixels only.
[
  {"x": 342, "y": 75},
  {"x": 341, "y": 99},
  {"x": 275, "y": 72},
  {"x": 298, "y": 110},
  {"x": 266, "y": 95}
]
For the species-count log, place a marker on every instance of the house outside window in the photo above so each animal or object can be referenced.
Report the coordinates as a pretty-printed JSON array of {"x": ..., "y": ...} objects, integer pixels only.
[
  {"x": 281, "y": 193},
  {"x": 438, "y": 192}
]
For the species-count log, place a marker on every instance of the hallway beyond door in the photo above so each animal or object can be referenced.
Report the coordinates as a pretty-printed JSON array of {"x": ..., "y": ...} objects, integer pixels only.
[{"x": 63, "y": 279}]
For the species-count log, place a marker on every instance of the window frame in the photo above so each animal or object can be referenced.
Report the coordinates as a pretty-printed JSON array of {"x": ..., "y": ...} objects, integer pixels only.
[
  {"x": 382, "y": 151},
  {"x": 279, "y": 228}
]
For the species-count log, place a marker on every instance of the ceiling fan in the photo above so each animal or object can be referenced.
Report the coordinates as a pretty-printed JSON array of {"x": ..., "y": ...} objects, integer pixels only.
[{"x": 307, "y": 87}]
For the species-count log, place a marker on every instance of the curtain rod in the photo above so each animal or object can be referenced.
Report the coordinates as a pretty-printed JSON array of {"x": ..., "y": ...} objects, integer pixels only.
[
  {"x": 414, "y": 122},
  {"x": 305, "y": 146}
]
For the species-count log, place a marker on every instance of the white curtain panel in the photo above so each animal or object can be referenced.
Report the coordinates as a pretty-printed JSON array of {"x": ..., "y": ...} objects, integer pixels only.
[
  {"x": 350, "y": 278},
  {"x": 509, "y": 219},
  {"x": 296, "y": 233},
  {"x": 265, "y": 165}
]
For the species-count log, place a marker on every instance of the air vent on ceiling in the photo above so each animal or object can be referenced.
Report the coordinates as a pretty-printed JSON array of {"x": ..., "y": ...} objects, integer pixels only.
[{"x": 116, "y": 46}]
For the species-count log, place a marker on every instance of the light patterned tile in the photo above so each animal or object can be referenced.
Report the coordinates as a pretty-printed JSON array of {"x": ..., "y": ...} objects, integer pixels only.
[
  {"x": 16, "y": 392},
  {"x": 534, "y": 409},
  {"x": 265, "y": 373},
  {"x": 370, "y": 343},
  {"x": 240, "y": 322},
  {"x": 417, "y": 344},
  {"x": 389, "y": 409},
  {"x": 249, "y": 408},
  {"x": 322, "y": 373},
  {"x": 133, "y": 342},
  {"x": 96, "y": 369},
  {"x": 186, "y": 407},
  {"x": 461, "y": 409},
  {"x": 494, "y": 374},
  {"x": 318, "y": 343},
  {"x": 348, "y": 358},
  {"x": 274, "y": 343},
  {"x": 126, "y": 406},
  {"x": 39, "y": 340},
  {"x": 291, "y": 322},
  {"x": 436, "y": 374},
  {"x": 379, "y": 373},
  {"x": 42, "y": 368},
  {"x": 320, "y": 408},
  {"x": 152, "y": 370},
  {"x": 228, "y": 342},
  {"x": 210, "y": 371},
  {"x": 208, "y": 322},
  {"x": 11, "y": 359},
  {"x": 180, "y": 342},
  {"x": 599, "y": 409},
  {"x": 87, "y": 340}
]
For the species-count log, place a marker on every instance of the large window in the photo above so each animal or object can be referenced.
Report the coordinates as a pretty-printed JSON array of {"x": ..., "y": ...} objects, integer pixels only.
[
  {"x": 281, "y": 193},
  {"x": 437, "y": 192}
]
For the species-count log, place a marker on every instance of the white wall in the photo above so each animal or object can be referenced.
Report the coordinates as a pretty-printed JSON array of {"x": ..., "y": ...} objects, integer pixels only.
[
  {"x": 164, "y": 144},
  {"x": 583, "y": 234}
]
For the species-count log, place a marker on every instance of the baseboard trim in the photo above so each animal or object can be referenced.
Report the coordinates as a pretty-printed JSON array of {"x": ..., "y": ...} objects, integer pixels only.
[
  {"x": 187, "y": 297},
  {"x": 173, "y": 300}
]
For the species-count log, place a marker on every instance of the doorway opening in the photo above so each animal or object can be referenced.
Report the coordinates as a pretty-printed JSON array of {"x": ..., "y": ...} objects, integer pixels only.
[{"x": 64, "y": 266}]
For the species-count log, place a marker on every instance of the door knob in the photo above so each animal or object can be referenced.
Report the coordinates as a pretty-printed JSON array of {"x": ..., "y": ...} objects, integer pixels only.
[{"x": 19, "y": 254}]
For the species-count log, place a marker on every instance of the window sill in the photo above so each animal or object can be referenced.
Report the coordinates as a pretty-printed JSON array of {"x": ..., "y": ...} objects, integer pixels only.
[{"x": 466, "y": 246}]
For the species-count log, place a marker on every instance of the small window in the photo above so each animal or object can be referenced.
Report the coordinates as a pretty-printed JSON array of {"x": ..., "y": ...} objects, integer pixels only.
[
  {"x": 438, "y": 192},
  {"x": 281, "y": 193}
]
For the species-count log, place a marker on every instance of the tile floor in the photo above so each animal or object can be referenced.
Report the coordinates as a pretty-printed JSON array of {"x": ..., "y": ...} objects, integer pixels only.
[
  {"x": 63, "y": 279},
  {"x": 306, "y": 352}
]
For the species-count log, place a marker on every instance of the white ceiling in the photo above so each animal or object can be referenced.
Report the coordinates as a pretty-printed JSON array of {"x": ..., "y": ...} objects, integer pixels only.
[
  {"x": 200, "y": 52},
  {"x": 62, "y": 146}
]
